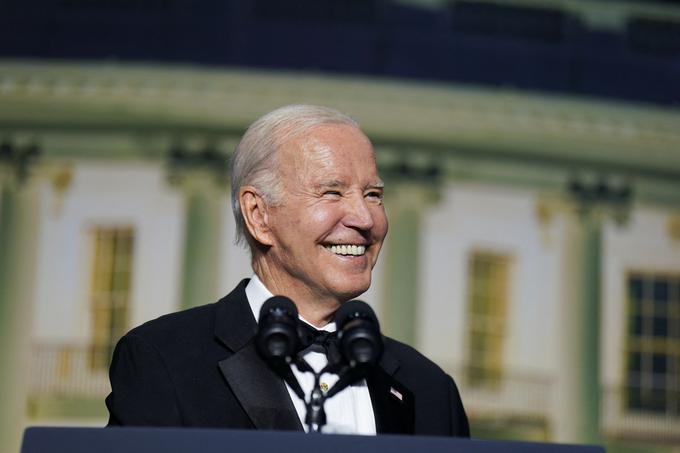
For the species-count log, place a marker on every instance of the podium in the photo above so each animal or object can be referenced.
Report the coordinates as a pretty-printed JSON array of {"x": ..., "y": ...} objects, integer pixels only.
[{"x": 193, "y": 440}]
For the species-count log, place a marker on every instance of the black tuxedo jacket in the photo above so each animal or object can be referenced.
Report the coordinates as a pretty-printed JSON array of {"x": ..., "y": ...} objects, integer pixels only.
[{"x": 200, "y": 368}]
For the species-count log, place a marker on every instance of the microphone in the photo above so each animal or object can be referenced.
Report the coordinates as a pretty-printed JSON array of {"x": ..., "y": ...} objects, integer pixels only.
[
  {"x": 277, "y": 338},
  {"x": 359, "y": 336}
]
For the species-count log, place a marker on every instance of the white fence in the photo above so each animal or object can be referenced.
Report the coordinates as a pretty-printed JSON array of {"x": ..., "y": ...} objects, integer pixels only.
[
  {"x": 620, "y": 422},
  {"x": 67, "y": 371},
  {"x": 513, "y": 395}
]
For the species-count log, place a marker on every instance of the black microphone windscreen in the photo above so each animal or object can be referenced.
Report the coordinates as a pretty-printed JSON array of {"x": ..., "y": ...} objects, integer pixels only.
[
  {"x": 355, "y": 309},
  {"x": 280, "y": 305},
  {"x": 277, "y": 336},
  {"x": 359, "y": 336}
]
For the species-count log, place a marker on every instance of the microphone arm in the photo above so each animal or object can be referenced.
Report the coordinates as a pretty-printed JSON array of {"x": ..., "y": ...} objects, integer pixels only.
[
  {"x": 348, "y": 376},
  {"x": 316, "y": 414},
  {"x": 284, "y": 371}
]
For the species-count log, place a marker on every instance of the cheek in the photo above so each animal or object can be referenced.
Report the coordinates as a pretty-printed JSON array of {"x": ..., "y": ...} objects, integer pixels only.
[
  {"x": 380, "y": 222},
  {"x": 306, "y": 227},
  {"x": 322, "y": 219}
]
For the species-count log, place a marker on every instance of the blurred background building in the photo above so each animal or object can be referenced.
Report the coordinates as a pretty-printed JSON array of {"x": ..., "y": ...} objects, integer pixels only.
[{"x": 531, "y": 150}]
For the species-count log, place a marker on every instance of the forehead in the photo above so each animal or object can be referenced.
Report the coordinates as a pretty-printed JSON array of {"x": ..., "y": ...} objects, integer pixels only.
[{"x": 336, "y": 148}]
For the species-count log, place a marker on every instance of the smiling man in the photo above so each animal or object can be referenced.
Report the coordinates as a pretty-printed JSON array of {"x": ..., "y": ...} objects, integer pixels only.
[{"x": 308, "y": 202}]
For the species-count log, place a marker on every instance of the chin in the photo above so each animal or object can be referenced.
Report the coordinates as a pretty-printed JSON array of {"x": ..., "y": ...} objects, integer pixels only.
[{"x": 348, "y": 292}]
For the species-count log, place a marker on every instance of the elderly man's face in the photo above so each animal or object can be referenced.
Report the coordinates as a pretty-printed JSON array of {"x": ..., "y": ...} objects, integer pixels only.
[{"x": 330, "y": 226}]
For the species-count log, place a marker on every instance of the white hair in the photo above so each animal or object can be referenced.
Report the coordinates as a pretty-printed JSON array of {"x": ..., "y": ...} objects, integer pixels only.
[{"x": 255, "y": 161}]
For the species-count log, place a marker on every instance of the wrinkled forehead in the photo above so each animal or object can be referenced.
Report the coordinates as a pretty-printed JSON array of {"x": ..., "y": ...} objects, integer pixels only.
[
  {"x": 337, "y": 149},
  {"x": 326, "y": 141}
]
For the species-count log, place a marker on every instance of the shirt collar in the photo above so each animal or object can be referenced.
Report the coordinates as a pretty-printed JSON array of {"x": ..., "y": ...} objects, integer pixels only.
[{"x": 258, "y": 294}]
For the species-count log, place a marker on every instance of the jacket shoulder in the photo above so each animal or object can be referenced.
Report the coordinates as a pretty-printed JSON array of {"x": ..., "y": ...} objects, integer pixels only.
[
  {"x": 410, "y": 358},
  {"x": 172, "y": 322},
  {"x": 192, "y": 324}
]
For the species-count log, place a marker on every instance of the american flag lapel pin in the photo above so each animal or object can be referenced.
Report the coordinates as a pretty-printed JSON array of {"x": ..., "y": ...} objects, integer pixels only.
[{"x": 397, "y": 394}]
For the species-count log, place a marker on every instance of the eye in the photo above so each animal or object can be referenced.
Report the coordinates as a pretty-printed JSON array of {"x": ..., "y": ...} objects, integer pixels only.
[
  {"x": 375, "y": 195},
  {"x": 332, "y": 193}
]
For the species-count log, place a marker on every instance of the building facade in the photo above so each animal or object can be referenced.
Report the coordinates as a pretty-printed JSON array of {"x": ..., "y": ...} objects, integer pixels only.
[{"x": 533, "y": 252}]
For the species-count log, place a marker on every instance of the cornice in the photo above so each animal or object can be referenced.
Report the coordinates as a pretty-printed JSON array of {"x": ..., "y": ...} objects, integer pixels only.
[{"x": 161, "y": 103}]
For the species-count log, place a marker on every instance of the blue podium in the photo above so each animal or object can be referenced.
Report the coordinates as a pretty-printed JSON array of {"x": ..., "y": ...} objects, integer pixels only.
[{"x": 176, "y": 440}]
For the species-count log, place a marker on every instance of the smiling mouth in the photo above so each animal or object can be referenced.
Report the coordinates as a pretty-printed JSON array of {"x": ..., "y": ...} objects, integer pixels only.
[{"x": 347, "y": 249}]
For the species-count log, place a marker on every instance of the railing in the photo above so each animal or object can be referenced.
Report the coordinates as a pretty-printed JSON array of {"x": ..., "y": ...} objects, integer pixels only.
[
  {"x": 516, "y": 395},
  {"x": 510, "y": 395},
  {"x": 618, "y": 421},
  {"x": 66, "y": 371}
]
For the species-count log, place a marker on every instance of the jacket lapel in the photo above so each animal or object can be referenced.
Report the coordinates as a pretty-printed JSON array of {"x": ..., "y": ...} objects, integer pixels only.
[
  {"x": 393, "y": 404},
  {"x": 263, "y": 395}
]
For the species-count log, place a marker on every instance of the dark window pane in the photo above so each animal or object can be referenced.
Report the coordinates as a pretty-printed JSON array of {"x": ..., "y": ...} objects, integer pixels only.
[
  {"x": 674, "y": 328},
  {"x": 674, "y": 402},
  {"x": 661, "y": 290},
  {"x": 635, "y": 289},
  {"x": 659, "y": 363},
  {"x": 636, "y": 325},
  {"x": 656, "y": 401},
  {"x": 661, "y": 309},
  {"x": 634, "y": 380},
  {"x": 634, "y": 362},
  {"x": 634, "y": 398},
  {"x": 660, "y": 327},
  {"x": 660, "y": 382}
]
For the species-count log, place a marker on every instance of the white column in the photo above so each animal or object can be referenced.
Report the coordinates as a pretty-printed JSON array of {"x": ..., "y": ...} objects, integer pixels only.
[
  {"x": 578, "y": 390},
  {"x": 18, "y": 240},
  {"x": 205, "y": 204},
  {"x": 405, "y": 205}
]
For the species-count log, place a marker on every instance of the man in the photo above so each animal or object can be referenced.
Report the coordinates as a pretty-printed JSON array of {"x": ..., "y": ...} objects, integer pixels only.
[{"x": 308, "y": 201}]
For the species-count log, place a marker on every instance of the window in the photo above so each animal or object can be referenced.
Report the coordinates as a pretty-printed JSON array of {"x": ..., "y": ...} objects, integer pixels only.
[
  {"x": 110, "y": 291},
  {"x": 653, "y": 347},
  {"x": 488, "y": 283}
]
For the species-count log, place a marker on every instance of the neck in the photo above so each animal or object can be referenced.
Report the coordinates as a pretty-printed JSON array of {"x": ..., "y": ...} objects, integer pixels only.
[{"x": 315, "y": 308}]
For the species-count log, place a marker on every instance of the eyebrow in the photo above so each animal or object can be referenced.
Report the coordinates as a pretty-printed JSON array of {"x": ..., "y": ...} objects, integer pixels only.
[{"x": 335, "y": 183}]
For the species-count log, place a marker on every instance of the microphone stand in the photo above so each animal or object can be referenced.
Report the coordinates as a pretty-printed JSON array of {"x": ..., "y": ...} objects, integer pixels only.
[
  {"x": 315, "y": 419},
  {"x": 316, "y": 414}
]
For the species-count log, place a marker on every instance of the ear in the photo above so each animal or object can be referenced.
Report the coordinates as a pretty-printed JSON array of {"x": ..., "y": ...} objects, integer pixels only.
[{"x": 256, "y": 215}]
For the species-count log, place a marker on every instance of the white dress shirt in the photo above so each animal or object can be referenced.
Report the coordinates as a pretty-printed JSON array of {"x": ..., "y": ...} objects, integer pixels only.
[{"x": 348, "y": 412}]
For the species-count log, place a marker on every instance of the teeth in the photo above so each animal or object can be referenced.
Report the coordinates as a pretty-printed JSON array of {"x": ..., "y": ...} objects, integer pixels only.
[{"x": 347, "y": 249}]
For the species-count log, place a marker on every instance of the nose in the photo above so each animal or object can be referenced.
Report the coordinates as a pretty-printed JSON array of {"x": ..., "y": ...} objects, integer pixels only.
[{"x": 358, "y": 214}]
